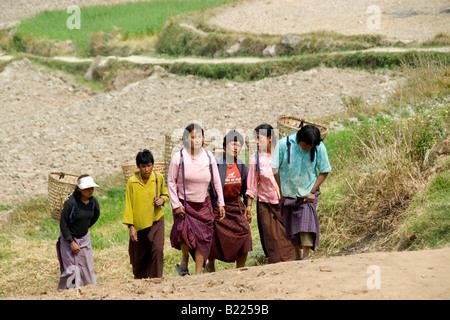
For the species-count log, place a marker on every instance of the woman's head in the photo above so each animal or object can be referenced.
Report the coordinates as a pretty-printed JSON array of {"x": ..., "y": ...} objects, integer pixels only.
[
  {"x": 85, "y": 187},
  {"x": 265, "y": 137},
  {"x": 144, "y": 162},
  {"x": 308, "y": 138},
  {"x": 232, "y": 143},
  {"x": 193, "y": 136}
]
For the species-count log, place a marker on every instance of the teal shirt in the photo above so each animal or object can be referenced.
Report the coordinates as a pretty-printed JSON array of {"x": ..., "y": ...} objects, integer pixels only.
[{"x": 298, "y": 178}]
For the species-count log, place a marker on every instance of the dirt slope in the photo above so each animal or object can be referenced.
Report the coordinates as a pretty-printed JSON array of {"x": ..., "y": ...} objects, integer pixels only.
[
  {"x": 402, "y": 275},
  {"x": 50, "y": 123}
]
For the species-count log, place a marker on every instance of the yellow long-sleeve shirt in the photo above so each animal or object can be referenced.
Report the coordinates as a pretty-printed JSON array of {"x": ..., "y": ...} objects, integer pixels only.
[{"x": 140, "y": 208}]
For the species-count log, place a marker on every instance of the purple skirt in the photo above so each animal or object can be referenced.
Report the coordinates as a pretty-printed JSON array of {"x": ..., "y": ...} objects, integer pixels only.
[
  {"x": 76, "y": 269},
  {"x": 195, "y": 228},
  {"x": 300, "y": 216}
]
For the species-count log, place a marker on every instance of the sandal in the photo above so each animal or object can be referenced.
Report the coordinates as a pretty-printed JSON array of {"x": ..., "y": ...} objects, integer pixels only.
[{"x": 182, "y": 271}]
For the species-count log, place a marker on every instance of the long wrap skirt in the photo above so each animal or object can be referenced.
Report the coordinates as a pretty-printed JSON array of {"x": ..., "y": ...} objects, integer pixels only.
[
  {"x": 76, "y": 269},
  {"x": 195, "y": 228},
  {"x": 300, "y": 216},
  {"x": 275, "y": 244},
  {"x": 232, "y": 236},
  {"x": 147, "y": 254}
]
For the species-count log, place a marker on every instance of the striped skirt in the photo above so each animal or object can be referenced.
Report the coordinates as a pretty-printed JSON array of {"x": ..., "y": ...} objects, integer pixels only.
[
  {"x": 195, "y": 228},
  {"x": 273, "y": 236},
  {"x": 300, "y": 216},
  {"x": 232, "y": 236}
]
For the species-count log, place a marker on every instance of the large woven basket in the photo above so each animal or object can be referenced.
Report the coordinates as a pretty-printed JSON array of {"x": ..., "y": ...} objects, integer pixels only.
[
  {"x": 60, "y": 186},
  {"x": 130, "y": 169},
  {"x": 287, "y": 125},
  {"x": 172, "y": 145}
]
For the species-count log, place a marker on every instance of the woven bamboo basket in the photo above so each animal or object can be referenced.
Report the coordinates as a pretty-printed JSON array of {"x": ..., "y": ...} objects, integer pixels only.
[
  {"x": 130, "y": 169},
  {"x": 172, "y": 145},
  {"x": 60, "y": 186},
  {"x": 287, "y": 125}
]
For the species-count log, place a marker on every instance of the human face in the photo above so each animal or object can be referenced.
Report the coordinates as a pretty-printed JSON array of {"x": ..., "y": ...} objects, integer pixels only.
[
  {"x": 87, "y": 193},
  {"x": 195, "y": 140},
  {"x": 145, "y": 170},
  {"x": 262, "y": 142},
  {"x": 233, "y": 149},
  {"x": 305, "y": 146}
]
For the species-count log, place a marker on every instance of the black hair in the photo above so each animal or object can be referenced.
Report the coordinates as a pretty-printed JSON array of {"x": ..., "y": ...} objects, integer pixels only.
[
  {"x": 233, "y": 136},
  {"x": 188, "y": 130},
  {"x": 310, "y": 135},
  {"x": 144, "y": 157},
  {"x": 267, "y": 131}
]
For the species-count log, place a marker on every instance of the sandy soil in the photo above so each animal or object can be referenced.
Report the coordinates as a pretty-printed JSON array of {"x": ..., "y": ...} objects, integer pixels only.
[
  {"x": 50, "y": 123},
  {"x": 398, "y": 20},
  {"x": 415, "y": 275}
]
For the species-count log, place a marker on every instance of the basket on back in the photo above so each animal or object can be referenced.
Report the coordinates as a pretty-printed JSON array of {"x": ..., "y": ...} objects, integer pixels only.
[
  {"x": 288, "y": 125},
  {"x": 130, "y": 169},
  {"x": 60, "y": 186}
]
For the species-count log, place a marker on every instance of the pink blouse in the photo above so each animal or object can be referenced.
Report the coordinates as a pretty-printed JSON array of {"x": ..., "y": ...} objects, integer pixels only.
[
  {"x": 263, "y": 183},
  {"x": 197, "y": 176}
]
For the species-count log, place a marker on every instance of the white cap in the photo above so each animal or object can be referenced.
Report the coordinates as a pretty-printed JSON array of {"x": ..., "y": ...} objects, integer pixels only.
[{"x": 86, "y": 182}]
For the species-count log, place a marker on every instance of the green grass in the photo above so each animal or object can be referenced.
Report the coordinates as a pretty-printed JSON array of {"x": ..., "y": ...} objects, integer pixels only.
[
  {"x": 133, "y": 20},
  {"x": 427, "y": 220}
]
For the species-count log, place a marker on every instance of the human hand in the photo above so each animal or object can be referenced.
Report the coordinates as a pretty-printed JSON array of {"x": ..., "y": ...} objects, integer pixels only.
[
  {"x": 248, "y": 214},
  {"x": 221, "y": 212},
  {"x": 311, "y": 198},
  {"x": 74, "y": 247},
  {"x": 159, "y": 201},
  {"x": 180, "y": 211},
  {"x": 133, "y": 234}
]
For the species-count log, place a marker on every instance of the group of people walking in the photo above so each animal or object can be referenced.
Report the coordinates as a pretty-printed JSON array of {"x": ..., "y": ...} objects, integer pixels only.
[{"x": 211, "y": 200}]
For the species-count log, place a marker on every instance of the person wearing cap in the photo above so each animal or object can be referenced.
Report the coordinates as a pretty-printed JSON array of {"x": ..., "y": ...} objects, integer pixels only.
[
  {"x": 74, "y": 249},
  {"x": 145, "y": 195}
]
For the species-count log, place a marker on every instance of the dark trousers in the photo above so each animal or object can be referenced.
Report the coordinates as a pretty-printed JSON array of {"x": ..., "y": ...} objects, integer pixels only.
[{"x": 147, "y": 254}]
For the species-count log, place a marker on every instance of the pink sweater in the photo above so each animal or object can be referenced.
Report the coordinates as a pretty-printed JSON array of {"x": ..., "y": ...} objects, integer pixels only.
[
  {"x": 197, "y": 177},
  {"x": 262, "y": 184}
]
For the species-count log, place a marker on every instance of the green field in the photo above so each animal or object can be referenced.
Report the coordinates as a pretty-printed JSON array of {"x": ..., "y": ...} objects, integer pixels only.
[
  {"x": 389, "y": 188},
  {"x": 132, "y": 19}
]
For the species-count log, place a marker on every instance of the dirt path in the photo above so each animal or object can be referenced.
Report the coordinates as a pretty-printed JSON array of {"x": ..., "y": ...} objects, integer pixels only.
[
  {"x": 407, "y": 20},
  {"x": 422, "y": 275},
  {"x": 49, "y": 122}
]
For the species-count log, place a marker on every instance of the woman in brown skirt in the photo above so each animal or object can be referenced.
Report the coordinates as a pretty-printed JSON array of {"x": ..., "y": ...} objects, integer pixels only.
[
  {"x": 232, "y": 237},
  {"x": 261, "y": 183}
]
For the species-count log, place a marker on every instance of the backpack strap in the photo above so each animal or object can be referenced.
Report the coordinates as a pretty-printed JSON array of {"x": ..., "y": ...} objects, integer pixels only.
[
  {"x": 288, "y": 142},
  {"x": 212, "y": 174},
  {"x": 258, "y": 168},
  {"x": 156, "y": 177},
  {"x": 182, "y": 174},
  {"x": 73, "y": 212}
]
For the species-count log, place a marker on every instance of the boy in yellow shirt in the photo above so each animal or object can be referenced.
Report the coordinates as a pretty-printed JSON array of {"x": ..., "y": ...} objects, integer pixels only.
[{"x": 146, "y": 193}]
